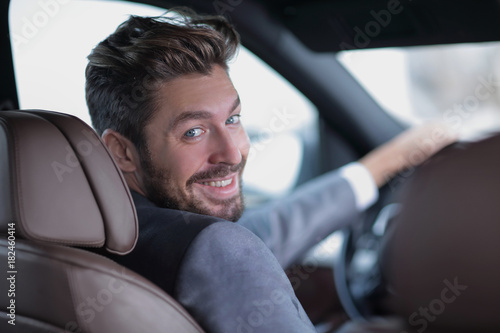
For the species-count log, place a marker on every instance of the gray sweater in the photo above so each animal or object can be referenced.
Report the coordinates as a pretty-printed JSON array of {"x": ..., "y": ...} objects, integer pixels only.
[{"x": 231, "y": 278}]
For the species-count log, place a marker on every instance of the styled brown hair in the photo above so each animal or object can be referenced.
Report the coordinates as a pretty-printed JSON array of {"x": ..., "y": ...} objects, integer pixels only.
[{"x": 125, "y": 69}]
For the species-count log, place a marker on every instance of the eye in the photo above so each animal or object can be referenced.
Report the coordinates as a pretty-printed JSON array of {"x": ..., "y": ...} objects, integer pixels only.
[
  {"x": 193, "y": 132},
  {"x": 233, "y": 119}
]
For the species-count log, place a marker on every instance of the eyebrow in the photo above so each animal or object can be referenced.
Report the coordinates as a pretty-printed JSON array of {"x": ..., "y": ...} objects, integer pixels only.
[{"x": 190, "y": 115}]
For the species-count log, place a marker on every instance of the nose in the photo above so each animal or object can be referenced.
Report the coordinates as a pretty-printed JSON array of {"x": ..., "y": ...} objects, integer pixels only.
[{"x": 225, "y": 149}]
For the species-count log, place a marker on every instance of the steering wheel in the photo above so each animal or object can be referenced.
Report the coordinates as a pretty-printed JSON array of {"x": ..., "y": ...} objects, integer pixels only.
[{"x": 357, "y": 277}]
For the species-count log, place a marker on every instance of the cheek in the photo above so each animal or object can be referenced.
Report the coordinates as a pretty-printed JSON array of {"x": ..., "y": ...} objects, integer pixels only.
[
  {"x": 187, "y": 161},
  {"x": 243, "y": 143}
]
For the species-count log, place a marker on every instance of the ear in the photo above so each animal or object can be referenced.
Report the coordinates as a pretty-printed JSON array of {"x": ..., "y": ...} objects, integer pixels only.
[{"x": 122, "y": 149}]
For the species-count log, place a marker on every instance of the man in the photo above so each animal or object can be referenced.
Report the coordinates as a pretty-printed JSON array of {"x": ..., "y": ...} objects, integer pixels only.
[{"x": 160, "y": 96}]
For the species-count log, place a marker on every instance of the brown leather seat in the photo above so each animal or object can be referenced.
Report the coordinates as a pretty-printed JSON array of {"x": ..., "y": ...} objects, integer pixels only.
[
  {"x": 442, "y": 253},
  {"x": 61, "y": 191}
]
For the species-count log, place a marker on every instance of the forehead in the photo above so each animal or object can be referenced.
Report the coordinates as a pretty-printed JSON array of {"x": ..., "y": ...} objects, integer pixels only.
[{"x": 196, "y": 92}]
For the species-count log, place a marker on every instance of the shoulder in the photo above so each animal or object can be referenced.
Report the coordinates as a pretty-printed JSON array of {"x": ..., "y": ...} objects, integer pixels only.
[
  {"x": 226, "y": 250},
  {"x": 229, "y": 277},
  {"x": 230, "y": 237}
]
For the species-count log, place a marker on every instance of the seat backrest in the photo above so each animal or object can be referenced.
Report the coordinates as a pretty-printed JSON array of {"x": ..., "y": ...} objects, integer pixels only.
[
  {"x": 442, "y": 253},
  {"x": 61, "y": 191}
]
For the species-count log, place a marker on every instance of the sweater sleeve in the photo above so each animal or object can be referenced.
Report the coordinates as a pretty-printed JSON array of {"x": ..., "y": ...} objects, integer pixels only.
[
  {"x": 230, "y": 282},
  {"x": 292, "y": 225}
]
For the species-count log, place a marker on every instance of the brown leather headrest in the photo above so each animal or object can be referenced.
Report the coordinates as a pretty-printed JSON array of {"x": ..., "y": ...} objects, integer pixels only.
[
  {"x": 442, "y": 253},
  {"x": 59, "y": 183}
]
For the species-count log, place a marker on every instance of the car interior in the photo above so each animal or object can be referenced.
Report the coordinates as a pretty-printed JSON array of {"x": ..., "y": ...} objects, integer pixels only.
[
  {"x": 59, "y": 286},
  {"x": 370, "y": 280}
]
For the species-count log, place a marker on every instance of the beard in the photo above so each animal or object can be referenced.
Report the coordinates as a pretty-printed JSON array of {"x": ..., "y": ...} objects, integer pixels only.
[{"x": 162, "y": 191}]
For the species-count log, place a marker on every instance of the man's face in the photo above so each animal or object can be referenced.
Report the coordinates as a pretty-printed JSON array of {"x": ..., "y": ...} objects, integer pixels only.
[{"x": 196, "y": 146}]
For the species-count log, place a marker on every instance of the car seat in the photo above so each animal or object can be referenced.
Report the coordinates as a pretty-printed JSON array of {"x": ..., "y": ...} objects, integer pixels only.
[
  {"x": 440, "y": 255},
  {"x": 60, "y": 193}
]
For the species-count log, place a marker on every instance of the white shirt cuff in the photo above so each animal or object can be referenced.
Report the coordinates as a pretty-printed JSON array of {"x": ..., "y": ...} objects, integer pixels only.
[{"x": 362, "y": 184}]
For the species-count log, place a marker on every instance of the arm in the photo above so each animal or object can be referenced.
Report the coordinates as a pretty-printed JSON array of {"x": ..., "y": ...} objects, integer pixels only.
[
  {"x": 230, "y": 282},
  {"x": 292, "y": 225},
  {"x": 407, "y": 150}
]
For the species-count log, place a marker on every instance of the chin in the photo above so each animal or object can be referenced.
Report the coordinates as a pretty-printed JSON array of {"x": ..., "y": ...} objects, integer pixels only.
[{"x": 232, "y": 213}]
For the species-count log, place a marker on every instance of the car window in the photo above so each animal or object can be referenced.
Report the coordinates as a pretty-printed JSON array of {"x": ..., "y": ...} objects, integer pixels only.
[
  {"x": 457, "y": 84},
  {"x": 51, "y": 41}
]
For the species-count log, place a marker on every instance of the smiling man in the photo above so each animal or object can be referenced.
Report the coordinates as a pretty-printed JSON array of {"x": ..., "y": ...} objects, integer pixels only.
[
  {"x": 196, "y": 147},
  {"x": 159, "y": 94}
]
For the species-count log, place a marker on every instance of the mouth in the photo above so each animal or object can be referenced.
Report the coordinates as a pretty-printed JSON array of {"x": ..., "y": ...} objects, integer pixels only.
[
  {"x": 218, "y": 183},
  {"x": 220, "y": 188}
]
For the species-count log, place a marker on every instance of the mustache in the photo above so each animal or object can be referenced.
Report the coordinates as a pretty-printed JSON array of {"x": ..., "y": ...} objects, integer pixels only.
[{"x": 217, "y": 171}]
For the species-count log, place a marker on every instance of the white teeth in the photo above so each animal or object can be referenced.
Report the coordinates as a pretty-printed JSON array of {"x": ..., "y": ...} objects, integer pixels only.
[{"x": 219, "y": 183}]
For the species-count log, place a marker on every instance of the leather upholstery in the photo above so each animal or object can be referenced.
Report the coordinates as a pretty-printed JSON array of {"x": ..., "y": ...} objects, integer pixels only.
[
  {"x": 61, "y": 188},
  {"x": 61, "y": 288},
  {"x": 442, "y": 253},
  {"x": 60, "y": 184}
]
